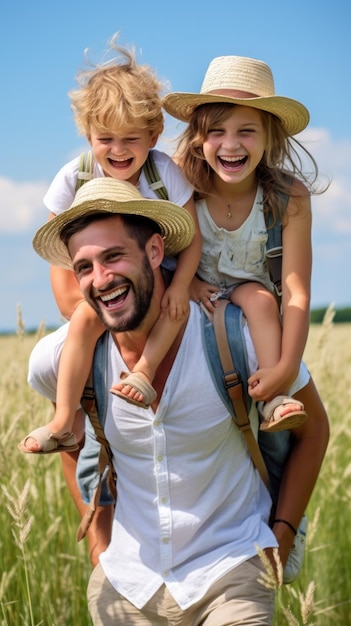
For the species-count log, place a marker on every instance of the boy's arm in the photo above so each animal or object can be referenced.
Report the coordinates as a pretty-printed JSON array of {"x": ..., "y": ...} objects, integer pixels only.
[
  {"x": 176, "y": 298},
  {"x": 65, "y": 288}
]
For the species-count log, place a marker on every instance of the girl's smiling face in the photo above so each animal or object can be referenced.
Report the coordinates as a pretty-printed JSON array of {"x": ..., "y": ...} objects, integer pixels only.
[{"x": 234, "y": 147}]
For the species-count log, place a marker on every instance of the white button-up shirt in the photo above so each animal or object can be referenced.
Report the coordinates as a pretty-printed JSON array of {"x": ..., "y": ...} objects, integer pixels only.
[{"x": 190, "y": 504}]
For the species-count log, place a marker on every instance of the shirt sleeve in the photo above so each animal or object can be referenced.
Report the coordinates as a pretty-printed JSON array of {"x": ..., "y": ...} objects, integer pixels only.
[
  {"x": 61, "y": 192},
  {"x": 44, "y": 362}
]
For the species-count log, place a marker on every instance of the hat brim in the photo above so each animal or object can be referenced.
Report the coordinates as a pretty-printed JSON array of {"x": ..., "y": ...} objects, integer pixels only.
[
  {"x": 293, "y": 115},
  {"x": 176, "y": 224}
]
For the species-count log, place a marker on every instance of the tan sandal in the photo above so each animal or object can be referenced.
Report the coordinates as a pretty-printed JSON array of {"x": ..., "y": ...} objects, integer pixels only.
[
  {"x": 137, "y": 381},
  {"x": 273, "y": 421},
  {"x": 49, "y": 442}
]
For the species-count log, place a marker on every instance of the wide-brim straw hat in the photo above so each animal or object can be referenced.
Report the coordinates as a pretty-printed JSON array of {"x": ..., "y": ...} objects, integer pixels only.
[
  {"x": 239, "y": 80},
  {"x": 108, "y": 195}
]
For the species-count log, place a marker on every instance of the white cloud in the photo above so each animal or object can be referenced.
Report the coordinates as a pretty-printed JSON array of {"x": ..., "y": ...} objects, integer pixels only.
[
  {"x": 21, "y": 205},
  {"x": 331, "y": 209}
]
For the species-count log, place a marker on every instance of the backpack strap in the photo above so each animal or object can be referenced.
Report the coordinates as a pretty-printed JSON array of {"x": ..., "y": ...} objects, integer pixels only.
[
  {"x": 274, "y": 246},
  {"x": 234, "y": 385},
  {"x": 153, "y": 177},
  {"x": 85, "y": 169},
  {"x": 93, "y": 405}
]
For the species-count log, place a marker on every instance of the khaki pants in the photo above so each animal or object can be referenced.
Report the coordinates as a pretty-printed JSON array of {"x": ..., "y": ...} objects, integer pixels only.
[{"x": 234, "y": 600}]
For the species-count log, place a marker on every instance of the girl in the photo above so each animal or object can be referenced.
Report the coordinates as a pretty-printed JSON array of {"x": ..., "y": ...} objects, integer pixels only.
[{"x": 238, "y": 153}]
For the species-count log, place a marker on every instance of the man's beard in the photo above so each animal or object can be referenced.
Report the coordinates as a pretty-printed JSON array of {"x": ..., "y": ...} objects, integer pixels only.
[{"x": 143, "y": 289}]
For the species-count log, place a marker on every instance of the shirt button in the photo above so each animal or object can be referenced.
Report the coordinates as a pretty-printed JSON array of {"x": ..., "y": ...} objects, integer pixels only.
[
  {"x": 160, "y": 457},
  {"x": 156, "y": 423},
  {"x": 166, "y": 573},
  {"x": 165, "y": 540},
  {"x": 164, "y": 500}
]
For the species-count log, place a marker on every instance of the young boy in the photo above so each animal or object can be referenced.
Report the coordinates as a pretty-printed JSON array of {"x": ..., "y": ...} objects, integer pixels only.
[{"x": 117, "y": 106}]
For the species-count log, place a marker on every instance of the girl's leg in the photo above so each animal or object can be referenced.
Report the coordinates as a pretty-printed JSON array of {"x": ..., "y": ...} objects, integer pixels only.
[
  {"x": 261, "y": 311},
  {"x": 136, "y": 387},
  {"x": 75, "y": 363}
]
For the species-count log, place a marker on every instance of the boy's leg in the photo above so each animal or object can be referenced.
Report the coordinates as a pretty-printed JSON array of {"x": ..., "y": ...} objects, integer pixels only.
[
  {"x": 161, "y": 338},
  {"x": 75, "y": 363},
  {"x": 76, "y": 359}
]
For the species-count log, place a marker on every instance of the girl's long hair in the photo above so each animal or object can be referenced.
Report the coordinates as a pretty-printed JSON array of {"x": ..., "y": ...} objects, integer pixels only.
[{"x": 282, "y": 161}]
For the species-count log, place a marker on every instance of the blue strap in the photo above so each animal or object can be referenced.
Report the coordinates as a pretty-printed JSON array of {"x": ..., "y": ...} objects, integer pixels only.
[
  {"x": 99, "y": 376},
  {"x": 234, "y": 325}
]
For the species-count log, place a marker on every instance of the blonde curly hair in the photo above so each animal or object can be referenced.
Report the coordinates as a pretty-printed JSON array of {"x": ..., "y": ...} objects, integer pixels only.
[{"x": 116, "y": 94}]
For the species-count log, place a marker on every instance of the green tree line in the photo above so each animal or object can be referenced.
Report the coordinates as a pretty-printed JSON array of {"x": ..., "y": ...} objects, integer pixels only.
[{"x": 340, "y": 315}]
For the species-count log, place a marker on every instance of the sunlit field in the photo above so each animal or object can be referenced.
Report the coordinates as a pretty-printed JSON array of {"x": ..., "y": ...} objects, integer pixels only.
[{"x": 44, "y": 572}]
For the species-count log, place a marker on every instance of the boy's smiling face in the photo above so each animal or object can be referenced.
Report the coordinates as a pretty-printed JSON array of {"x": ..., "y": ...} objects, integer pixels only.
[{"x": 122, "y": 154}]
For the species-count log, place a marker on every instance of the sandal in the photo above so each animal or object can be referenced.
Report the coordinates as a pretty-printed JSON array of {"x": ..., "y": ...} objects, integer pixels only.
[
  {"x": 137, "y": 382},
  {"x": 49, "y": 443},
  {"x": 273, "y": 421}
]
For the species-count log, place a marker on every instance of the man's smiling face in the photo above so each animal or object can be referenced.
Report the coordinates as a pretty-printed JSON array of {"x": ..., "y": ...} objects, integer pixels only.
[{"x": 114, "y": 274}]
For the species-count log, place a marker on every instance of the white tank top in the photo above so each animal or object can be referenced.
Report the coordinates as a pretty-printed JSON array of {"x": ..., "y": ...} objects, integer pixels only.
[{"x": 230, "y": 257}]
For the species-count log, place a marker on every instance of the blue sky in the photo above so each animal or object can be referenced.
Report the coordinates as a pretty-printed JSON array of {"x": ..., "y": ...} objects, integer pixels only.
[{"x": 306, "y": 44}]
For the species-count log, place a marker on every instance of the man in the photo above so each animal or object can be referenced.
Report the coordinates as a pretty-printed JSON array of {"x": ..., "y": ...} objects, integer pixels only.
[{"x": 191, "y": 507}]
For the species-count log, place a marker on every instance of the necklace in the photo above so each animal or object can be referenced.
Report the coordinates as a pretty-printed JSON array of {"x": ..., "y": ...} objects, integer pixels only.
[{"x": 229, "y": 212}]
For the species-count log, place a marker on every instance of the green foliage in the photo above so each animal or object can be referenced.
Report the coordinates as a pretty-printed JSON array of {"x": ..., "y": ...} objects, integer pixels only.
[{"x": 341, "y": 316}]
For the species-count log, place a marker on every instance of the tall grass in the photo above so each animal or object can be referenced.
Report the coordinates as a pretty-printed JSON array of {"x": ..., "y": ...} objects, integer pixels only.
[
  {"x": 322, "y": 593},
  {"x": 44, "y": 572}
]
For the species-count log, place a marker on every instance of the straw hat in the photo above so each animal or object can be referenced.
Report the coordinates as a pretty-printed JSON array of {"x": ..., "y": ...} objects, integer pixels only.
[
  {"x": 239, "y": 80},
  {"x": 109, "y": 195}
]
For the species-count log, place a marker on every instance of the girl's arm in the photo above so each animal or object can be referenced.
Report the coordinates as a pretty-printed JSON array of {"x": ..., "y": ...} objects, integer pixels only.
[
  {"x": 296, "y": 281},
  {"x": 266, "y": 383},
  {"x": 176, "y": 297}
]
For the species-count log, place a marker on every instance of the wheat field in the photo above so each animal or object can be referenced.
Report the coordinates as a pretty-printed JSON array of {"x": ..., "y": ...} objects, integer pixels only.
[{"x": 44, "y": 572}]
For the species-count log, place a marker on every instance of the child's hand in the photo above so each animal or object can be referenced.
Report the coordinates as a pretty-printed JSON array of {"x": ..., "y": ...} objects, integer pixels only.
[
  {"x": 266, "y": 383},
  {"x": 204, "y": 293},
  {"x": 176, "y": 302}
]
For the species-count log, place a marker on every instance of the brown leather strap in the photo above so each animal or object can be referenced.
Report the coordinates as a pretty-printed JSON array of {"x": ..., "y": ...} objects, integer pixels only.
[
  {"x": 88, "y": 402},
  {"x": 91, "y": 510},
  {"x": 235, "y": 389}
]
